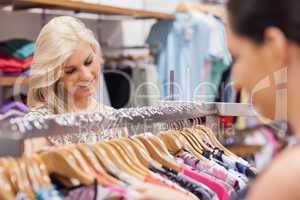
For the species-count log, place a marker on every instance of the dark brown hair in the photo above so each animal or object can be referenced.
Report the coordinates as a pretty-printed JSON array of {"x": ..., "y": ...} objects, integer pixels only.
[{"x": 252, "y": 17}]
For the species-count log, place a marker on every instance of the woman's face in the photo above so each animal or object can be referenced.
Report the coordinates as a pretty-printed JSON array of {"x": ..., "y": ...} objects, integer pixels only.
[
  {"x": 81, "y": 72},
  {"x": 255, "y": 70}
]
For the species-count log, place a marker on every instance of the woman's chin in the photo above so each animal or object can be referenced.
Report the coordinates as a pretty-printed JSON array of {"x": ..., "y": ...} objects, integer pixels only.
[{"x": 86, "y": 91}]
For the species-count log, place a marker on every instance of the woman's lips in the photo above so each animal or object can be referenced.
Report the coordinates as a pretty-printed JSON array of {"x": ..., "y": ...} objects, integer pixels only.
[
  {"x": 86, "y": 87},
  {"x": 86, "y": 84}
]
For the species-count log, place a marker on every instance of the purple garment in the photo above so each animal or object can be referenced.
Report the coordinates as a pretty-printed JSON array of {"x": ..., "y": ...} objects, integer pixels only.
[
  {"x": 24, "y": 73},
  {"x": 82, "y": 193},
  {"x": 14, "y": 105},
  {"x": 3, "y": 121}
]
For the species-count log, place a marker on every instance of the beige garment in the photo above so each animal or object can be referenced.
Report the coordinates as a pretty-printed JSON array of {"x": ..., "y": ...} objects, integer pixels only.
[{"x": 85, "y": 136}]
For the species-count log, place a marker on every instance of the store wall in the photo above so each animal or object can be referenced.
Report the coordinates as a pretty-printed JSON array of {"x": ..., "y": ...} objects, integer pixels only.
[{"x": 112, "y": 33}]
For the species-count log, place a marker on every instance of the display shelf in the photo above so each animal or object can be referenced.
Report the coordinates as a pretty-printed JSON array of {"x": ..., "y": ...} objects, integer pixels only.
[
  {"x": 80, "y": 6},
  {"x": 11, "y": 80}
]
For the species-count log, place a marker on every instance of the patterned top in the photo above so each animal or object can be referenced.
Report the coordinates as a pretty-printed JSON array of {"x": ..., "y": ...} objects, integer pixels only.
[
  {"x": 208, "y": 167},
  {"x": 86, "y": 136}
]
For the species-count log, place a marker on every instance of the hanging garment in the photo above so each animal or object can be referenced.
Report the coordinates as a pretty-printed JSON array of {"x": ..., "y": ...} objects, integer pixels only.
[
  {"x": 194, "y": 46},
  {"x": 47, "y": 194},
  {"x": 198, "y": 189},
  {"x": 229, "y": 162},
  {"x": 208, "y": 167},
  {"x": 218, "y": 188}
]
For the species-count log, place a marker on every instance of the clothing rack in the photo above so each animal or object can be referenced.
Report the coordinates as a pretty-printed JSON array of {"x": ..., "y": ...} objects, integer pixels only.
[{"x": 12, "y": 134}]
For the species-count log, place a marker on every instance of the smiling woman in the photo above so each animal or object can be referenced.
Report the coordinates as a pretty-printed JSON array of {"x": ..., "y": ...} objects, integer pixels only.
[
  {"x": 65, "y": 68},
  {"x": 65, "y": 74}
]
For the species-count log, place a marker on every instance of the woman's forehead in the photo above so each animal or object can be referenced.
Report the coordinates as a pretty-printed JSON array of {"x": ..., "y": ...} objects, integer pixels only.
[{"x": 80, "y": 54}]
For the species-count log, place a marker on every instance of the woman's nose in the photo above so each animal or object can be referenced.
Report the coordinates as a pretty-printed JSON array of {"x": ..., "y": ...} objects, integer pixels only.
[{"x": 86, "y": 73}]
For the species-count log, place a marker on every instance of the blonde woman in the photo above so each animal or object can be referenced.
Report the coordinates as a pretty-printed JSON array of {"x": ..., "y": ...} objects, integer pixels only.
[{"x": 65, "y": 75}]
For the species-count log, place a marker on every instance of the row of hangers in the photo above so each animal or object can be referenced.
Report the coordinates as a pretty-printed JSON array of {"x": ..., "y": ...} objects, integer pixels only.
[{"x": 105, "y": 161}]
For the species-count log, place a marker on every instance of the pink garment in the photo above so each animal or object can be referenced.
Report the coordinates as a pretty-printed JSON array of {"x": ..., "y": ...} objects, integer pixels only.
[
  {"x": 208, "y": 167},
  {"x": 218, "y": 188},
  {"x": 270, "y": 138}
]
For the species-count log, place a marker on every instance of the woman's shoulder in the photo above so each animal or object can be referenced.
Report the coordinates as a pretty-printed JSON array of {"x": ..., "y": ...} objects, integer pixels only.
[{"x": 281, "y": 178}]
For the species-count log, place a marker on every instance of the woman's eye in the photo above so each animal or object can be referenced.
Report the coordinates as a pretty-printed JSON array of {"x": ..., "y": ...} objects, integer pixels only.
[
  {"x": 88, "y": 62},
  {"x": 71, "y": 71}
]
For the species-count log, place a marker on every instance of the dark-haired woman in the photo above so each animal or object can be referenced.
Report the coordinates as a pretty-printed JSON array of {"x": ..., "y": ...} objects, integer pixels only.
[{"x": 265, "y": 42}]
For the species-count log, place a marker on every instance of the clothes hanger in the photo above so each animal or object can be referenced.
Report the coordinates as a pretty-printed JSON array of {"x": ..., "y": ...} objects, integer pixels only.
[
  {"x": 79, "y": 158},
  {"x": 191, "y": 142},
  {"x": 110, "y": 167},
  {"x": 189, "y": 133},
  {"x": 20, "y": 183},
  {"x": 126, "y": 158},
  {"x": 14, "y": 169},
  {"x": 139, "y": 146},
  {"x": 205, "y": 136},
  {"x": 62, "y": 162},
  {"x": 157, "y": 155},
  {"x": 35, "y": 174},
  {"x": 105, "y": 160},
  {"x": 28, "y": 188},
  {"x": 130, "y": 155},
  {"x": 207, "y": 131},
  {"x": 160, "y": 145},
  {"x": 6, "y": 190},
  {"x": 42, "y": 170},
  {"x": 177, "y": 142},
  {"x": 90, "y": 157},
  {"x": 142, "y": 156},
  {"x": 9, "y": 172},
  {"x": 28, "y": 173},
  {"x": 171, "y": 143},
  {"x": 32, "y": 174},
  {"x": 117, "y": 160},
  {"x": 198, "y": 139}
]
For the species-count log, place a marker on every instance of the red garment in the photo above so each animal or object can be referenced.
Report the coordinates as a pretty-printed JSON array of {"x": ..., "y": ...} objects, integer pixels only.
[{"x": 12, "y": 64}]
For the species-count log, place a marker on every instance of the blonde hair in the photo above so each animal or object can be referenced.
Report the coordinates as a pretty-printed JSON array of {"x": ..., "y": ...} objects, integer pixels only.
[{"x": 56, "y": 42}]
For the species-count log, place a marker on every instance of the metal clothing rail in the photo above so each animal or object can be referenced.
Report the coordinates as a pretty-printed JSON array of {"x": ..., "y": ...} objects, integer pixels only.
[{"x": 13, "y": 133}]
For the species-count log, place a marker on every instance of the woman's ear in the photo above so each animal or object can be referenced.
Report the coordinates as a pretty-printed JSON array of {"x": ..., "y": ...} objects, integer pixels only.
[{"x": 276, "y": 45}]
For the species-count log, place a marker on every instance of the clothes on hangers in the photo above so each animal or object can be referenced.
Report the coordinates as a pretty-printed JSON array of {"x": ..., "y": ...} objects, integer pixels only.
[
  {"x": 271, "y": 137},
  {"x": 172, "y": 159},
  {"x": 210, "y": 168},
  {"x": 189, "y": 180},
  {"x": 194, "y": 47}
]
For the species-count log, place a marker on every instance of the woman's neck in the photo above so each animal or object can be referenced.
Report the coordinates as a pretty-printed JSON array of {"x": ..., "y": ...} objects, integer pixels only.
[{"x": 79, "y": 105}]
